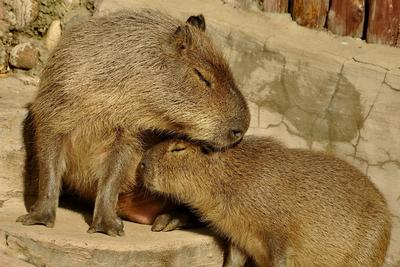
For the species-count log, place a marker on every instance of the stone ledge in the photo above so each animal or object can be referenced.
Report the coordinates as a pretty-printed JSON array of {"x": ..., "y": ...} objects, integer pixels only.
[{"x": 68, "y": 244}]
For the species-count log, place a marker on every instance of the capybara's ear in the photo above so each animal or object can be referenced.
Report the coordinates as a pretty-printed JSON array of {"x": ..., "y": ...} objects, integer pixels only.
[
  {"x": 197, "y": 21},
  {"x": 177, "y": 147},
  {"x": 183, "y": 37}
]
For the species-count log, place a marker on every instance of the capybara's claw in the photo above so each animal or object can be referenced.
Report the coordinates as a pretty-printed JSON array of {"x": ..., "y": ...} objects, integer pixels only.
[
  {"x": 112, "y": 227},
  {"x": 33, "y": 218}
]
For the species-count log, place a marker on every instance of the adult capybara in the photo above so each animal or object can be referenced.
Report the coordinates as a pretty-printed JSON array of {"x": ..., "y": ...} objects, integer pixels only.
[
  {"x": 279, "y": 206},
  {"x": 110, "y": 81}
]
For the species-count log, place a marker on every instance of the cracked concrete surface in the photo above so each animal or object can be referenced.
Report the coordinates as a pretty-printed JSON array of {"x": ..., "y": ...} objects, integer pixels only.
[{"x": 310, "y": 89}]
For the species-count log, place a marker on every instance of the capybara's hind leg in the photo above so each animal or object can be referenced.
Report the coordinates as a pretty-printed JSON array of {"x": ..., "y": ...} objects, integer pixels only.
[
  {"x": 105, "y": 219},
  {"x": 51, "y": 167},
  {"x": 235, "y": 257}
]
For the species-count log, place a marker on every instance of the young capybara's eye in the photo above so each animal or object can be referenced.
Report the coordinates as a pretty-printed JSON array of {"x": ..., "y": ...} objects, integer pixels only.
[{"x": 202, "y": 78}]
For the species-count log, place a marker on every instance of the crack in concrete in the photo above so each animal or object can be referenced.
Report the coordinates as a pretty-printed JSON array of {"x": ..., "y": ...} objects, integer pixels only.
[
  {"x": 368, "y": 63},
  {"x": 379, "y": 164},
  {"x": 389, "y": 85},
  {"x": 291, "y": 131}
]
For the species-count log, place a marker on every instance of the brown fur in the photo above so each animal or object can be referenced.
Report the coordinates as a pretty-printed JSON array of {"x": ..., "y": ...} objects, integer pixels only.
[
  {"x": 110, "y": 81},
  {"x": 280, "y": 206}
]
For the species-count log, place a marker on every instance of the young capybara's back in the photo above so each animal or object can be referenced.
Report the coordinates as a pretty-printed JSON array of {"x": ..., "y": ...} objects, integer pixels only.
[{"x": 280, "y": 206}]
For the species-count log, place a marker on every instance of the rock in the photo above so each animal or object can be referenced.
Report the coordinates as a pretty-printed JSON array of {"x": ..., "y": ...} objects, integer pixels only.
[
  {"x": 3, "y": 59},
  {"x": 26, "y": 11},
  {"x": 53, "y": 34},
  {"x": 4, "y": 24},
  {"x": 24, "y": 56},
  {"x": 71, "y": 2}
]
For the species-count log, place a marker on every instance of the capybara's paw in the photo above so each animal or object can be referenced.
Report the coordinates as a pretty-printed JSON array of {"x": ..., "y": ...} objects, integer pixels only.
[
  {"x": 38, "y": 217},
  {"x": 169, "y": 221},
  {"x": 112, "y": 226}
]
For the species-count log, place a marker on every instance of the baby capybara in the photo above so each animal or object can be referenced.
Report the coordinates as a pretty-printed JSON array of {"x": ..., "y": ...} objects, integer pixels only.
[{"x": 279, "y": 206}]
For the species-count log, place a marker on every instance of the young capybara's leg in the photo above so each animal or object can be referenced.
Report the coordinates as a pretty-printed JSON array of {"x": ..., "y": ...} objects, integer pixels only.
[
  {"x": 175, "y": 217},
  {"x": 105, "y": 219},
  {"x": 235, "y": 257},
  {"x": 51, "y": 167}
]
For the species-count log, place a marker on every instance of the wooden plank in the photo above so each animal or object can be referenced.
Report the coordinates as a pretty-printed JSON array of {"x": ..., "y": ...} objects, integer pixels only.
[
  {"x": 346, "y": 17},
  {"x": 310, "y": 13},
  {"x": 276, "y": 6},
  {"x": 384, "y": 22}
]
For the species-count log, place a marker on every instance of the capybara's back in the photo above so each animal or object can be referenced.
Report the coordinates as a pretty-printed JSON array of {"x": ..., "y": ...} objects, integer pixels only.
[{"x": 342, "y": 218}]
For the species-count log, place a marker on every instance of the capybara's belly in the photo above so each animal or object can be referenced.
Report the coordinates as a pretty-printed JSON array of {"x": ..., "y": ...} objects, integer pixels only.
[{"x": 87, "y": 159}]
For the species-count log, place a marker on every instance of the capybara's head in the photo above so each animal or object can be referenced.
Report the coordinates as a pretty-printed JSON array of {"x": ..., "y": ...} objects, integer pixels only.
[
  {"x": 204, "y": 102},
  {"x": 172, "y": 167}
]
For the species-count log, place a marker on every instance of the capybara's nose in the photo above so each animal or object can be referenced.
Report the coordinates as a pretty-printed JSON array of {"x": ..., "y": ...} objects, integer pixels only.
[{"x": 236, "y": 134}]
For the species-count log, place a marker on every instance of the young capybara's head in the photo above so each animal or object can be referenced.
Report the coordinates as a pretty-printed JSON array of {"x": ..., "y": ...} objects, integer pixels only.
[
  {"x": 174, "y": 167},
  {"x": 210, "y": 108}
]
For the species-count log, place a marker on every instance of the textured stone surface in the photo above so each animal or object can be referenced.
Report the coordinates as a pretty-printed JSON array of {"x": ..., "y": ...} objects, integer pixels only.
[
  {"x": 3, "y": 59},
  {"x": 25, "y": 11},
  {"x": 24, "y": 56},
  {"x": 68, "y": 244},
  {"x": 307, "y": 88},
  {"x": 10, "y": 261}
]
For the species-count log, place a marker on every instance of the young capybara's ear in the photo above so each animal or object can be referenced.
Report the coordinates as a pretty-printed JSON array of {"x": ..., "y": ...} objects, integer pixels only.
[
  {"x": 197, "y": 21},
  {"x": 177, "y": 147},
  {"x": 183, "y": 37}
]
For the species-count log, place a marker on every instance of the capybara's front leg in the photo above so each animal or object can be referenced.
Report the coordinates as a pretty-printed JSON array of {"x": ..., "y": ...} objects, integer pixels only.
[
  {"x": 105, "y": 219},
  {"x": 51, "y": 167}
]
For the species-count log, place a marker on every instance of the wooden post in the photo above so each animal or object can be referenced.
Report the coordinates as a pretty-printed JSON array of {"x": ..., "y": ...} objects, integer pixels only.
[
  {"x": 346, "y": 17},
  {"x": 276, "y": 6},
  {"x": 310, "y": 13},
  {"x": 384, "y": 22}
]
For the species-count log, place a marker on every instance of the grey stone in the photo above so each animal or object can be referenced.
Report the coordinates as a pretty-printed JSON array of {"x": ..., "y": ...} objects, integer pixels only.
[{"x": 24, "y": 56}]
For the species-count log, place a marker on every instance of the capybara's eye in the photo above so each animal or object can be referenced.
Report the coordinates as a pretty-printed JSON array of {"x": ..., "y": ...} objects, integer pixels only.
[
  {"x": 201, "y": 77},
  {"x": 177, "y": 149}
]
